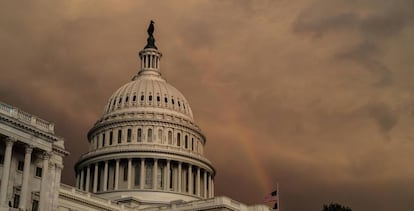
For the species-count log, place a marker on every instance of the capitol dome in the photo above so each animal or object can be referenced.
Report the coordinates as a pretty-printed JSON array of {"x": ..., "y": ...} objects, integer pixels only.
[{"x": 146, "y": 149}]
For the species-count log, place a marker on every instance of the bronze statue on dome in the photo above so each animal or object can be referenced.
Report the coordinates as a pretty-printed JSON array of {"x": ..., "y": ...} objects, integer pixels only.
[{"x": 151, "y": 39}]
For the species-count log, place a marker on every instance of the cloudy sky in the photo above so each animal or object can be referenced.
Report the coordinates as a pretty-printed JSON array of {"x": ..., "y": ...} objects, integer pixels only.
[{"x": 317, "y": 95}]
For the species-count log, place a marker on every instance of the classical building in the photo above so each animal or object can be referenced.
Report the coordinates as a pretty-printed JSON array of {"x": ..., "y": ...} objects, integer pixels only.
[{"x": 145, "y": 153}]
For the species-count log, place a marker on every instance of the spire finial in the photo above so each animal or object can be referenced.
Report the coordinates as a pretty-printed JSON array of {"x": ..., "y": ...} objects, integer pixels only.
[{"x": 151, "y": 39}]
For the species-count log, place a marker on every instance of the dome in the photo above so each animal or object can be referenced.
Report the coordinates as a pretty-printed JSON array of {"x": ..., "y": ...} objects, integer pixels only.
[
  {"x": 146, "y": 148},
  {"x": 148, "y": 93}
]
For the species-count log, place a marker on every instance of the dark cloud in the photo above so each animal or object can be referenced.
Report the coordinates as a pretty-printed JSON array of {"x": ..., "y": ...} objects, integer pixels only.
[{"x": 302, "y": 93}]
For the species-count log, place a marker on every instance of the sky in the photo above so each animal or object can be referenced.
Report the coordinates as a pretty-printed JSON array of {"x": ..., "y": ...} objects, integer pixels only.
[{"x": 316, "y": 95}]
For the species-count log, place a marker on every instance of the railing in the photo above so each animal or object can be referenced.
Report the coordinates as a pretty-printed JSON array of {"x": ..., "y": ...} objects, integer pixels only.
[
  {"x": 90, "y": 197},
  {"x": 26, "y": 118},
  {"x": 145, "y": 147}
]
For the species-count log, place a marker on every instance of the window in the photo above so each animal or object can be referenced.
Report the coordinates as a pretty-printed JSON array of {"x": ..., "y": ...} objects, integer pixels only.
[
  {"x": 142, "y": 97},
  {"x": 111, "y": 136},
  {"x": 160, "y": 176},
  {"x": 158, "y": 99},
  {"x": 170, "y": 137},
  {"x": 159, "y": 136},
  {"x": 137, "y": 174},
  {"x": 120, "y": 100},
  {"x": 148, "y": 175},
  {"x": 139, "y": 134},
  {"x": 171, "y": 177},
  {"x": 179, "y": 104},
  {"x": 178, "y": 139},
  {"x": 20, "y": 165},
  {"x": 186, "y": 141},
  {"x": 35, "y": 205},
  {"x": 129, "y": 135},
  {"x": 125, "y": 173},
  {"x": 165, "y": 100},
  {"x": 38, "y": 172},
  {"x": 1, "y": 159},
  {"x": 149, "y": 139},
  {"x": 134, "y": 98},
  {"x": 150, "y": 98},
  {"x": 172, "y": 100},
  {"x": 119, "y": 136},
  {"x": 103, "y": 139},
  {"x": 126, "y": 99},
  {"x": 192, "y": 144},
  {"x": 16, "y": 201}
]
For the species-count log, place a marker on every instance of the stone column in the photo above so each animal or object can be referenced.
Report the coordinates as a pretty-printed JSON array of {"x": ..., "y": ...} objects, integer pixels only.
[
  {"x": 6, "y": 172},
  {"x": 26, "y": 175},
  {"x": 88, "y": 178},
  {"x": 95, "y": 178},
  {"x": 105, "y": 179},
  {"x": 82, "y": 176},
  {"x": 198, "y": 193},
  {"x": 212, "y": 187},
  {"x": 179, "y": 177},
  {"x": 167, "y": 176},
  {"x": 205, "y": 184},
  {"x": 155, "y": 175},
  {"x": 116, "y": 174},
  {"x": 190, "y": 179},
  {"x": 129, "y": 173},
  {"x": 56, "y": 188},
  {"x": 44, "y": 183},
  {"x": 209, "y": 186},
  {"x": 142, "y": 174}
]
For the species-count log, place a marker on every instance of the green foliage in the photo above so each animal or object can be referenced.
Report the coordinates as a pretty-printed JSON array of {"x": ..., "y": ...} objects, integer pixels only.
[{"x": 335, "y": 207}]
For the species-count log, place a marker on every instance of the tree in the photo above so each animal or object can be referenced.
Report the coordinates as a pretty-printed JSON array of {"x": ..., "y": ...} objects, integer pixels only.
[{"x": 335, "y": 207}]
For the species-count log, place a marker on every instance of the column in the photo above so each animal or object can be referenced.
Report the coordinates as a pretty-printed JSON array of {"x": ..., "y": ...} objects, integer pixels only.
[
  {"x": 167, "y": 176},
  {"x": 88, "y": 177},
  {"x": 95, "y": 178},
  {"x": 129, "y": 173},
  {"x": 212, "y": 187},
  {"x": 155, "y": 175},
  {"x": 179, "y": 176},
  {"x": 105, "y": 179},
  {"x": 209, "y": 186},
  {"x": 6, "y": 172},
  {"x": 116, "y": 174},
  {"x": 142, "y": 172},
  {"x": 82, "y": 173},
  {"x": 26, "y": 175},
  {"x": 190, "y": 179},
  {"x": 198, "y": 193},
  {"x": 205, "y": 184},
  {"x": 44, "y": 183},
  {"x": 77, "y": 179}
]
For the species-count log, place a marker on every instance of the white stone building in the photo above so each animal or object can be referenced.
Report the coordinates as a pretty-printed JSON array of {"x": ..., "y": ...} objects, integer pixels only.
[{"x": 145, "y": 153}]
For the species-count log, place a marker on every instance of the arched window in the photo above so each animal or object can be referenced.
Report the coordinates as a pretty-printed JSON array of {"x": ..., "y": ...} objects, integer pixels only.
[
  {"x": 178, "y": 139},
  {"x": 119, "y": 136},
  {"x": 159, "y": 136},
  {"x": 170, "y": 138},
  {"x": 186, "y": 141},
  {"x": 139, "y": 135},
  {"x": 192, "y": 144},
  {"x": 149, "y": 139},
  {"x": 103, "y": 139},
  {"x": 129, "y": 135},
  {"x": 111, "y": 137}
]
